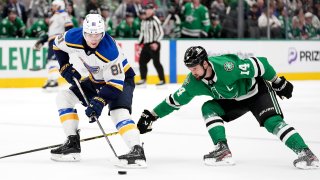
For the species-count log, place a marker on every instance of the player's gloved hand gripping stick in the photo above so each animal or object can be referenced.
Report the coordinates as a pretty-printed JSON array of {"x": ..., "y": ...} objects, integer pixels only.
[{"x": 93, "y": 118}]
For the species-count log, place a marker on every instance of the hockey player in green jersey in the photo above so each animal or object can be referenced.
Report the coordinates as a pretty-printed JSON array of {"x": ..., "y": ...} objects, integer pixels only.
[{"x": 236, "y": 86}]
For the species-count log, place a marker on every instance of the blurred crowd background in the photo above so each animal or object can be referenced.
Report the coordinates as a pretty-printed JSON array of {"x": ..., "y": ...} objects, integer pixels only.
[{"x": 255, "y": 19}]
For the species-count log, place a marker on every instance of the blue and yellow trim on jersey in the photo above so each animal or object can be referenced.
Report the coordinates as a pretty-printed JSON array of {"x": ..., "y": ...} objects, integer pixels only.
[
  {"x": 54, "y": 47},
  {"x": 125, "y": 65},
  {"x": 125, "y": 126},
  {"x": 116, "y": 83},
  {"x": 68, "y": 114},
  {"x": 107, "y": 49},
  {"x": 73, "y": 38},
  {"x": 91, "y": 77}
]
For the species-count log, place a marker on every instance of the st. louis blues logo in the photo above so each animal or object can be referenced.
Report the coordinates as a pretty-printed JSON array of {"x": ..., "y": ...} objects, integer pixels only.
[{"x": 91, "y": 69}]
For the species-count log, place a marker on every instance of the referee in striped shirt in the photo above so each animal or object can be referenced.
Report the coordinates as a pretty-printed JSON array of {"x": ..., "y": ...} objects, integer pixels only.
[{"x": 151, "y": 33}]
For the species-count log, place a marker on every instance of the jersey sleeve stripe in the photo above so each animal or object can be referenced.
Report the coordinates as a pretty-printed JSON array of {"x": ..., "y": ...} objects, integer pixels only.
[
  {"x": 254, "y": 67},
  {"x": 120, "y": 87},
  {"x": 259, "y": 69},
  {"x": 117, "y": 81},
  {"x": 94, "y": 80},
  {"x": 261, "y": 66},
  {"x": 126, "y": 68},
  {"x": 55, "y": 48},
  {"x": 101, "y": 57},
  {"x": 171, "y": 102},
  {"x": 75, "y": 45},
  {"x": 68, "y": 24}
]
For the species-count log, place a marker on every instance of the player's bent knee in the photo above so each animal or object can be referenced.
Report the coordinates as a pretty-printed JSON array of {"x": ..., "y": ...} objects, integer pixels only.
[
  {"x": 273, "y": 123},
  {"x": 211, "y": 108},
  {"x": 119, "y": 115},
  {"x": 66, "y": 99}
]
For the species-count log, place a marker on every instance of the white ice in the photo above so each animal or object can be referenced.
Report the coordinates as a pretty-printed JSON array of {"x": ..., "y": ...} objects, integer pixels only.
[{"x": 174, "y": 149}]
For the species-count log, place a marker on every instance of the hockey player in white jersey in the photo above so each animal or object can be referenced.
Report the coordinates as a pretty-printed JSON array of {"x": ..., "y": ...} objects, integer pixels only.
[
  {"x": 58, "y": 24},
  {"x": 110, "y": 82}
]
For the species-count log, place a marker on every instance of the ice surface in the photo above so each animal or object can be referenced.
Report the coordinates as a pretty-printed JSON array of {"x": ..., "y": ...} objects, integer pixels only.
[{"x": 174, "y": 149}]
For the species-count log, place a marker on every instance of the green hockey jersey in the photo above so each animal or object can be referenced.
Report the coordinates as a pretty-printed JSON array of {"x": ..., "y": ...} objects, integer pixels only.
[
  {"x": 234, "y": 78},
  {"x": 74, "y": 21},
  {"x": 195, "y": 20},
  {"x": 12, "y": 29},
  {"x": 37, "y": 29},
  {"x": 125, "y": 31}
]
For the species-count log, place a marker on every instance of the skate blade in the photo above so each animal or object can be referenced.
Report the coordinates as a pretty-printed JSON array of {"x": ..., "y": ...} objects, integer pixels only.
[
  {"x": 72, "y": 157},
  {"x": 139, "y": 164},
  {"x": 303, "y": 165},
  {"x": 228, "y": 161}
]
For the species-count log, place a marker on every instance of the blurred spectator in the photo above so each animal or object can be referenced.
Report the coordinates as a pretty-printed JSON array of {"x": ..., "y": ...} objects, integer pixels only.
[
  {"x": 295, "y": 29},
  {"x": 273, "y": 23},
  {"x": 172, "y": 24},
  {"x": 292, "y": 6},
  {"x": 137, "y": 7},
  {"x": 12, "y": 26},
  {"x": 105, "y": 13},
  {"x": 261, "y": 6},
  {"x": 39, "y": 28},
  {"x": 1, "y": 10},
  {"x": 126, "y": 27},
  {"x": 218, "y": 8},
  {"x": 125, "y": 6},
  {"x": 195, "y": 20},
  {"x": 137, "y": 21},
  {"x": 70, "y": 11},
  {"x": 283, "y": 16},
  {"x": 160, "y": 16},
  {"x": 92, "y": 5},
  {"x": 311, "y": 30},
  {"x": 253, "y": 28},
  {"x": 215, "y": 28},
  {"x": 20, "y": 9}
]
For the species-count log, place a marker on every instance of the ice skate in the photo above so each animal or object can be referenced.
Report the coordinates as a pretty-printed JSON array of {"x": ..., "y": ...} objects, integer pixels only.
[
  {"x": 69, "y": 151},
  {"x": 50, "y": 86},
  {"x": 306, "y": 160},
  {"x": 134, "y": 159},
  {"x": 141, "y": 83},
  {"x": 220, "y": 157}
]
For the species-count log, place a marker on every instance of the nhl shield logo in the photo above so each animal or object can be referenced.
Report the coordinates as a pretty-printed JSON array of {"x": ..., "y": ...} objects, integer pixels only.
[{"x": 228, "y": 66}]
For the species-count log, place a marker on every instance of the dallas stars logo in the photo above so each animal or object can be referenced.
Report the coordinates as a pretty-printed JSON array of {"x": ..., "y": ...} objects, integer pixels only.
[{"x": 228, "y": 66}]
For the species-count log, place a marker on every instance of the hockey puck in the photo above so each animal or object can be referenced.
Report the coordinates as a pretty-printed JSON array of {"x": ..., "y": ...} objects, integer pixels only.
[{"x": 122, "y": 172}]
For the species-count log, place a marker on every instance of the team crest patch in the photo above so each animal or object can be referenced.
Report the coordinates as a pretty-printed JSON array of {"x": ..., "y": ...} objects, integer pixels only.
[{"x": 228, "y": 66}]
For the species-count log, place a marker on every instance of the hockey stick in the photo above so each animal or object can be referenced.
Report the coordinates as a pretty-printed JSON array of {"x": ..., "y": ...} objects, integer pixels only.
[
  {"x": 57, "y": 145},
  {"x": 94, "y": 118}
]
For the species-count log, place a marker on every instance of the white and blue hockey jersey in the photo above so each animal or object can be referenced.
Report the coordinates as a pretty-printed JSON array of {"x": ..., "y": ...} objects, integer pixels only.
[{"x": 106, "y": 64}]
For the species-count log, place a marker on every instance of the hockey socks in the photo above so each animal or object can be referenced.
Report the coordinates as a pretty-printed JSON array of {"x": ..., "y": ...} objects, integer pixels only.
[{"x": 286, "y": 133}]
